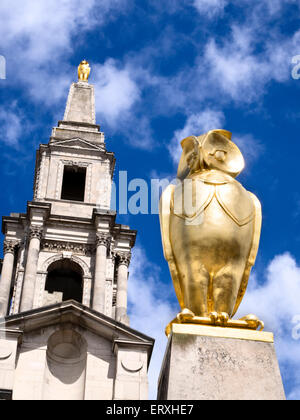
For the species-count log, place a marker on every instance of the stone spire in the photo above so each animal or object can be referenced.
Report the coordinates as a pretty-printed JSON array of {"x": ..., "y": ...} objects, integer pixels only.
[
  {"x": 79, "y": 121},
  {"x": 81, "y": 100}
]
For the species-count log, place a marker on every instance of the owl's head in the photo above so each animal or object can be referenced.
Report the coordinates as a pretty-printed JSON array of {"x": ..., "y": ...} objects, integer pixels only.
[{"x": 213, "y": 150}]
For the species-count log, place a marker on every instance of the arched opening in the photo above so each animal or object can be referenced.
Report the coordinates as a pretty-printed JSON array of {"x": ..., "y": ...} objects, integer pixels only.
[{"x": 64, "y": 282}]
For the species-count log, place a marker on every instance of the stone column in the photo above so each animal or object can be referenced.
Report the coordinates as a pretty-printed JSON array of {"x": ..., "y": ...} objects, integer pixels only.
[
  {"x": 6, "y": 276},
  {"x": 100, "y": 272},
  {"x": 35, "y": 236},
  {"x": 123, "y": 262}
]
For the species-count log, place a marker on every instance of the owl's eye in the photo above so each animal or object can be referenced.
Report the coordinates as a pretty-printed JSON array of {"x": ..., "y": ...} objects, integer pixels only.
[{"x": 220, "y": 155}]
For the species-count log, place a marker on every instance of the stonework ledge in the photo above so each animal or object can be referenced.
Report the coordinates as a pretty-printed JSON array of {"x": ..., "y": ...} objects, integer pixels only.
[
  {"x": 78, "y": 314},
  {"x": 234, "y": 333}
]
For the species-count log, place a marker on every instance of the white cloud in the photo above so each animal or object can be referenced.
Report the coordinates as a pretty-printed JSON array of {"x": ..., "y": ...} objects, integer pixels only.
[
  {"x": 38, "y": 41},
  {"x": 116, "y": 91},
  {"x": 131, "y": 93},
  {"x": 41, "y": 30},
  {"x": 150, "y": 309},
  {"x": 272, "y": 7},
  {"x": 277, "y": 302},
  {"x": 279, "y": 297},
  {"x": 196, "y": 124},
  {"x": 12, "y": 125},
  {"x": 234, "y": 69},
  {"x": 210, "y": 7},
  {"x": 251, "y": 148},
  {"x": 237, "y": 69},
  {"x": 119, "y": 88},
  {"x": 42, "y": 35}
]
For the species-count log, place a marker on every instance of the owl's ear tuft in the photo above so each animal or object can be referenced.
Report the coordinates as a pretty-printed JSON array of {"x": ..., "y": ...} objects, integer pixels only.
[{"x": 189, "y": 161}]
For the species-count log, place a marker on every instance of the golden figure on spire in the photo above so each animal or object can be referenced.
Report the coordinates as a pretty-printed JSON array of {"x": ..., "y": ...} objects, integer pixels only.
[{"x": 84, "y": 71}]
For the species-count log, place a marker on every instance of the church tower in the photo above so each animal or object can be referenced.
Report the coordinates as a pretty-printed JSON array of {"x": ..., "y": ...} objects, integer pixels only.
[{"x": 65, "y": 332}]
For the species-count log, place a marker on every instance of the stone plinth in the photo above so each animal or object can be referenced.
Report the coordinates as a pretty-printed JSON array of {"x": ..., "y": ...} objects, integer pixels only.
[
  {"x": 214, "y": 363},
  {"x": 81, "y": 103}
]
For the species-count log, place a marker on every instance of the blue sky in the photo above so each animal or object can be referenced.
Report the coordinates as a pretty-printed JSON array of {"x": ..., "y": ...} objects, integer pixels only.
[{"x": 162, "y": 71}]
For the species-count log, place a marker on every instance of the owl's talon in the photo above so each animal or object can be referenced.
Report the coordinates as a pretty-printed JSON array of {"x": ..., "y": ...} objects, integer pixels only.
[
  {"x": 185, "y": 315},
  {"x": 214, "y": 317},
  {"x": 223, "y": 318},
  {"x": 253, "y": 322}
]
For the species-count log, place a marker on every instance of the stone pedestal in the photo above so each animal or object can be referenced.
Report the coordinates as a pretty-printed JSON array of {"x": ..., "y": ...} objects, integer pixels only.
[{"x": 214, "y": 363}]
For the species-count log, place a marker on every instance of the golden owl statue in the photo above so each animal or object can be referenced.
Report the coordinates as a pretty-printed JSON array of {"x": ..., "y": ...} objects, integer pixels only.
[
  {"x": 84, "y": 71},
  {"x": 210, "y": 226}
]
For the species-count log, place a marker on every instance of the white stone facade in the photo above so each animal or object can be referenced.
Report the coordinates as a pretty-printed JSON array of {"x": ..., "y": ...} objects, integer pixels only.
[
  {"x": 75, "y": 233},
  {"x": 68, "y": 352}
]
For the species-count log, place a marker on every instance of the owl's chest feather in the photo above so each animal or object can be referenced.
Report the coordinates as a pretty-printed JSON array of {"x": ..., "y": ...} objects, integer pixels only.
[{"x": 195, "y": 195}]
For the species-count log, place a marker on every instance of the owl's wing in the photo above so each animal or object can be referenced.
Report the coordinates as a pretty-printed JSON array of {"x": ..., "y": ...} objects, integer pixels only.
[
  {"x": 253, "y": 251},
  {"x": 164, "y": 217}
]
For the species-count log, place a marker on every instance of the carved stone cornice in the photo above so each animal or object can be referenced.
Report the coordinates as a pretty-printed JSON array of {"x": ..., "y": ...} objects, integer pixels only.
[
  {"x": 103, "y": 239},
  {"x": 36, "y": 232},
  {"x": 9, "y": 246},
  {"x": 61, "y": 246},
  {"x": 123, "y": 257}
]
